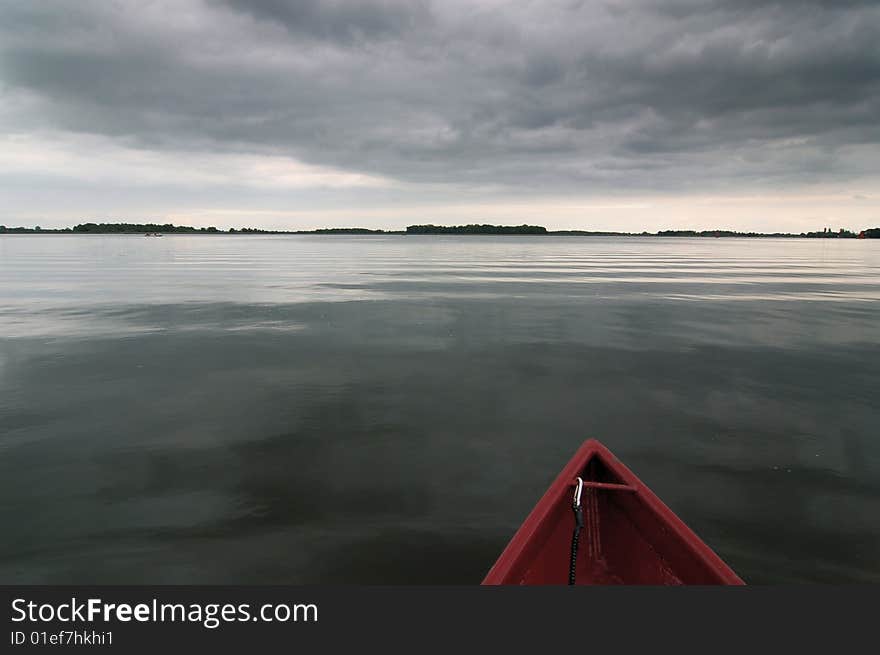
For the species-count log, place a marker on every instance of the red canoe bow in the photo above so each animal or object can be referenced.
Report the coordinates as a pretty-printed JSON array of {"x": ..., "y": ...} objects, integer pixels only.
[{"x": 629, "y": 536}]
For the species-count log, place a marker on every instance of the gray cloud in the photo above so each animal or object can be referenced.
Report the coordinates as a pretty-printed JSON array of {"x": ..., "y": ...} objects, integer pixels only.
[
  {"x": 338, "y": 20},
  {"x": 568, "y": 95}
]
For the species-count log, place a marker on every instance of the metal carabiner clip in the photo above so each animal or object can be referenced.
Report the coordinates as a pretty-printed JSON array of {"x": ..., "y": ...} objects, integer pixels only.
[{"x": 578, "y": 489}]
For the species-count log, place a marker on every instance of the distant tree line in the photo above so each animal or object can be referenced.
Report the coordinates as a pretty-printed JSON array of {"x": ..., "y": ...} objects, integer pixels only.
[
  {"x": 128, "y": 228},
  {"x": 718, "y": 233},
  {"x": 476, "y": 229},
  {"x": 825, "y": 234},
  {"x": 325, "y": 230},
  {"x": 168, "y": 228},
  {"x": 348, "y": 230},
  {"x": 830, "y": 234},
  {"x": 31, "y": 230},
  {"x": 593, "y": 233}
]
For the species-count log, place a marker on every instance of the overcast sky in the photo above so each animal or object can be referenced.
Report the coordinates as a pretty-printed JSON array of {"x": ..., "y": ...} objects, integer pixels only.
[{"x": 593, "y": 114}]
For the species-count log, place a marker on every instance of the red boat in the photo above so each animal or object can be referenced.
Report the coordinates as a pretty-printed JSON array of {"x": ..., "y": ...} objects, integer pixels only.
[{"x": 598, "y": 524}]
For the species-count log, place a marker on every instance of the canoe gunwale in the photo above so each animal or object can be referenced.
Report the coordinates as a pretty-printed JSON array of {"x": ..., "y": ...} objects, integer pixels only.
[{"x": 513, "y": 562}]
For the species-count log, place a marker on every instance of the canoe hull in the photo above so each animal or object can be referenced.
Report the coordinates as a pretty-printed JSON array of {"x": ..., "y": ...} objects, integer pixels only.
[{"x": 630, "y": 536}]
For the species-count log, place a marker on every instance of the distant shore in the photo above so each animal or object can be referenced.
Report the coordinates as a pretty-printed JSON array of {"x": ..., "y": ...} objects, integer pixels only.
[{"x": 156, "y": 229}]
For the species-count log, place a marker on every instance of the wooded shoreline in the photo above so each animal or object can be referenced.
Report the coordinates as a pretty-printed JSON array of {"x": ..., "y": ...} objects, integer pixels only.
[{"x": 475, "y": 229}]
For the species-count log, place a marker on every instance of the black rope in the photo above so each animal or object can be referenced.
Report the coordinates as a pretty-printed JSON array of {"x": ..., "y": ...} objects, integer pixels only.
[{"x": 575, "y": 538}]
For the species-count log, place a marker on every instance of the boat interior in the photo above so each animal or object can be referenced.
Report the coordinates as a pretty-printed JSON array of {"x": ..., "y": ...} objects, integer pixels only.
[{"x": 624, "y": 539}]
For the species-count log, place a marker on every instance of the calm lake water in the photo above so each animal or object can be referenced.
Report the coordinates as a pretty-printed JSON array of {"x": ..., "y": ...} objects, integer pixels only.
[{"x": 198, "y": 409}]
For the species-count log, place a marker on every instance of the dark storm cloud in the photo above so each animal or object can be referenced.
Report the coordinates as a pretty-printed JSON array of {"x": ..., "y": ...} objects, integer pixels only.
[
  {"x": 569, "y": 95},
  {"x": 336, "y": 19}
]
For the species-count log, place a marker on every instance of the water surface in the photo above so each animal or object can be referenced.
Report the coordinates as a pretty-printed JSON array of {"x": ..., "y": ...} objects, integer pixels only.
[{"x": 272, "y": 409}]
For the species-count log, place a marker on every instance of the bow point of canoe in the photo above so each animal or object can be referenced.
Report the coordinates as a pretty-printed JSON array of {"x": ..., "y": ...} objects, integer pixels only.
[{"x": 625, "y": 534}]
